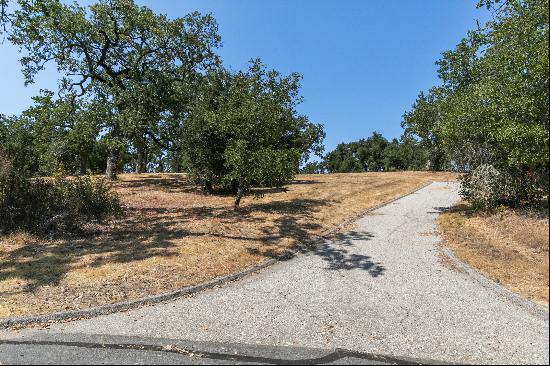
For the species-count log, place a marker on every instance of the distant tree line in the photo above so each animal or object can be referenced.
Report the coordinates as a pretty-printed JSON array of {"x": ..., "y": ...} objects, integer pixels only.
[{"x": 373, "y": 154}]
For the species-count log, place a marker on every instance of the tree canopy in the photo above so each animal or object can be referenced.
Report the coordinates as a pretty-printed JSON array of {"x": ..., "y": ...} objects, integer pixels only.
[
  {"x": 492, "y": 105},
  {"x": 244, "y": 130},
  {"x": 140, "y": 91},
  {"x": 143, "y": 64},
  {"x": 374, "y": 154}
]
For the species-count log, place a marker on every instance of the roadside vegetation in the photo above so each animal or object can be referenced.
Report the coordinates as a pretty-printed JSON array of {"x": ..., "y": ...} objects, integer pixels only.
[
  {"x": 52, "y": 206},
  {"x": 489, "y": 115}
]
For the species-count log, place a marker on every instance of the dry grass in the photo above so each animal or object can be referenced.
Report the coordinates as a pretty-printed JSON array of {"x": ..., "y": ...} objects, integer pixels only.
[
  {"x": 510, "y": 246},
  {"x": 174, "y": 236}
]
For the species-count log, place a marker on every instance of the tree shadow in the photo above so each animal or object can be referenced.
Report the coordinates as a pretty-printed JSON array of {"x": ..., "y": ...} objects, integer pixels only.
[
  {"x": 334, "y": 252},
  {"x": 165, "y": 182},
  {"x": 295, "y": 218},
  {"x": 267, "y": 190},
  {"x": 296, "y": 222},
  {"x": 305, "y": 181},
  {"x": 142, "y": 233},
  {"x": 153, "y": 229},
  {"x": 46, "y": 263},
  {"x": 440, "y": 210}
]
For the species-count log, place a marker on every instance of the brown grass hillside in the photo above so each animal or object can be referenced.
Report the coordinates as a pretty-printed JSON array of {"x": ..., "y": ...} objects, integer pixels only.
[{"x": 509, "y": 246}]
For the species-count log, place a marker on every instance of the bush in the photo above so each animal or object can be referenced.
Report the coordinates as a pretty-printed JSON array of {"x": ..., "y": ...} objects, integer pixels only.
[
  {"x": 53, "y": 205},
  {"x": 487, "y": 187},
  {"x": 483, "y": 187},
  {"x": 88, "y": 196}
]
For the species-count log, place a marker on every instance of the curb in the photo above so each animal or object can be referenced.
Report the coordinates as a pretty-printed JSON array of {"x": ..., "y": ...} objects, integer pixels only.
[
  {"x": 132, "y": 304},
  {"x": 171, "y": 295},
  {"x": 518, "y": 300}
]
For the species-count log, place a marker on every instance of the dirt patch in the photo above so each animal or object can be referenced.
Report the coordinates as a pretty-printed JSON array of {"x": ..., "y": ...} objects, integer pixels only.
[
  {"x": 509, "y": 246},
  {"x": 174, "y": 236}
]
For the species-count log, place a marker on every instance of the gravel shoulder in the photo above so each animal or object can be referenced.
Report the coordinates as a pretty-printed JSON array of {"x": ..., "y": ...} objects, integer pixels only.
[{"x": 382, "y": 288}]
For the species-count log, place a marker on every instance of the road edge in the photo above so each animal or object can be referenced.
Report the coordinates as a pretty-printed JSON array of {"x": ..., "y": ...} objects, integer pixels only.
[{"x": 487, "y": 283}]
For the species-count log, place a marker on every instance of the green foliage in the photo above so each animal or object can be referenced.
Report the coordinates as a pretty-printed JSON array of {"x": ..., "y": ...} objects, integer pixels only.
[
  {"x": 244, "y": 130},
  {"x": 493, "y": 104},
  {"x": 87, "y": 196},
  {"x": 487, "y": 187},
  {"x": 143, "y": 66},
  {"x": 314, "y": 168},
  {"x": 393, "y": 157},
  {"x": 343, "y": 160},
  {"x": 53, "y": 135},
  {"x": 54, "y": 205},
  {"x": 377, "y": 154},
  {"x": 363, "y": 155},
  {"x": 17, "y": 139},
  {"x": 4, "y": 16},
  {"x": 404, "y": 155},
  {"x": 421, "y": 123}
]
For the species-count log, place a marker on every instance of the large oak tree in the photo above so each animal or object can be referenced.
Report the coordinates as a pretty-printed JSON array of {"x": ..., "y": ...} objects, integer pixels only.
[{"x": 144, "y": 64}]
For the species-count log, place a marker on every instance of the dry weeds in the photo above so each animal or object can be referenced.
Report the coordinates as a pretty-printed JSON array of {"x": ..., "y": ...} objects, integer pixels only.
[
  {"x": 174, "y": 236},
  {"x": 510, "y": 247}
]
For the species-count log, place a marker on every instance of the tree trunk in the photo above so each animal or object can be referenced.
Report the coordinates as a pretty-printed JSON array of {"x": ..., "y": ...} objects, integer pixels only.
[
  {"x": 177, "y": 168},
  {"x": 84, "y": 164},
  {"x": 112, "y": 165},
  {"x": 208, "y": 186},
  {"x": 238, "y": 196},
  {"x": 141, "y": 159},
  {"x": 523, "y": 194}
]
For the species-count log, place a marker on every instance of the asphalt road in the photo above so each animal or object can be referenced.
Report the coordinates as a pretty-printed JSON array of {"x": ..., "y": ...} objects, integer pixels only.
[
  {"x": 381, "y": 289},
  {"x": 81, "y": 349}
]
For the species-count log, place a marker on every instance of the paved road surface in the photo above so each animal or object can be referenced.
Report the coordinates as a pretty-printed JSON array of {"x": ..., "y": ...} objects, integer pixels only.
[{"x": 380, "y": 289}]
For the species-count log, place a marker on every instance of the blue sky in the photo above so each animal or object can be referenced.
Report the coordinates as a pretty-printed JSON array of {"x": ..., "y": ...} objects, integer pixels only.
[{"x": 363, "y": 61}]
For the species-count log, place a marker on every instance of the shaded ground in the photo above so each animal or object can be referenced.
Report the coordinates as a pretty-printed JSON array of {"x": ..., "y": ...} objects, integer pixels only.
[
  {"x": 174, "y": 236},
  {"x": 509, "y": 246}
]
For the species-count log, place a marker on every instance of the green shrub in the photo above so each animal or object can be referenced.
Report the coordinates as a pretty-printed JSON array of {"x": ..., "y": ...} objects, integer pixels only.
[
  {"x": 88, "y": 196},
  {"x": 52, "y": 205}
]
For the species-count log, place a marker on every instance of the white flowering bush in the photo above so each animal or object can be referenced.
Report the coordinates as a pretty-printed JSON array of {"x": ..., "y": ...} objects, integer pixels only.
[{"x": 484, "y": 187}]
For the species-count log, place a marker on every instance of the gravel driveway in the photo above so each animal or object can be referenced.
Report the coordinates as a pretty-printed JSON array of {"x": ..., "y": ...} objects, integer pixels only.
[{"x": 382, "y": 288}]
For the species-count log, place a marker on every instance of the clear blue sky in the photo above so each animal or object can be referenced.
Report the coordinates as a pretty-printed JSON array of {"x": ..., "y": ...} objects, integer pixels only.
[{"x": 363, "y": 61}]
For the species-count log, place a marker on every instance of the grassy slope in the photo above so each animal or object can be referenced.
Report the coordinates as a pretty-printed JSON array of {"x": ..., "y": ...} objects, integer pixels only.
[
  {"x": 511, "y": 247},
  {"x": 174, "y": 236}
]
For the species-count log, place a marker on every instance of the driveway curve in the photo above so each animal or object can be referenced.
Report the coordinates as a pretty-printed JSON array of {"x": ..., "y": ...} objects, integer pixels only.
[{"x": 382, "y": 288}]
